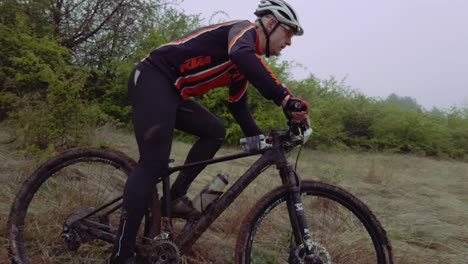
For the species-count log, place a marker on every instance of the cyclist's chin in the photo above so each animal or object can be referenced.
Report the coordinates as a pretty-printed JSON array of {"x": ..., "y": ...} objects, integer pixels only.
[{"x": 275, "y": 53}]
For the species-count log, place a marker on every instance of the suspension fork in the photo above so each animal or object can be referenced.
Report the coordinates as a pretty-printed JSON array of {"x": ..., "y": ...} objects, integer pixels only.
[{"x": 296, "y": 209}]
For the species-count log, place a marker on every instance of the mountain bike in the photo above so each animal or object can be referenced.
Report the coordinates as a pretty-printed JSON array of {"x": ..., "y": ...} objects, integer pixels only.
[{"x": 67, "y": 211}]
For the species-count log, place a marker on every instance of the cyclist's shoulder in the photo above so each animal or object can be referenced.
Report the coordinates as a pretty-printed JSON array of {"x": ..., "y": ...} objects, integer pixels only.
[
  {"x": 241, "y": 24},
  {"x": 233, "y": 27}
]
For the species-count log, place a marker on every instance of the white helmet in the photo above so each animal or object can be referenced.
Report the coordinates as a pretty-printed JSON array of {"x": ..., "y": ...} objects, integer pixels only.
[{"x": 282, "y": 11}]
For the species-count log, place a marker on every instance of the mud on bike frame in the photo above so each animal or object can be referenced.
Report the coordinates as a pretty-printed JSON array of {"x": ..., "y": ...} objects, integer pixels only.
[{"x": 275, "y": 154}]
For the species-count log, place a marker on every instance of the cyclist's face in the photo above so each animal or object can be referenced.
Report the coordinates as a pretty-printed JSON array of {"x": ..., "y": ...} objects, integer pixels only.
[{"x": 280, "y": 38}]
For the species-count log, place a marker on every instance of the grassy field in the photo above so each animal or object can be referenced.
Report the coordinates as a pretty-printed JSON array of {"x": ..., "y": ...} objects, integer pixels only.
[{"x": 421, "y": 202}]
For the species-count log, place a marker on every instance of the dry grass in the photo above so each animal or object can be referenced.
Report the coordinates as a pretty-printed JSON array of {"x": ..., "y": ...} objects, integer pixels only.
[{"x": 422, "y": 203}]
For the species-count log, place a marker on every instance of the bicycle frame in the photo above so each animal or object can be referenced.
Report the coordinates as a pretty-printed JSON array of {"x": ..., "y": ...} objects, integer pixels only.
[
  {"x": 275, "y": 155},
  {"x": 186, "y": 239}
]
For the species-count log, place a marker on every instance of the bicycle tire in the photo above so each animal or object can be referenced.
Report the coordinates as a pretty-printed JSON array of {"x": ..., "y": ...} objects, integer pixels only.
[
  {"x": 337, "y": 222},
  {"x": 68, "y": 179}
]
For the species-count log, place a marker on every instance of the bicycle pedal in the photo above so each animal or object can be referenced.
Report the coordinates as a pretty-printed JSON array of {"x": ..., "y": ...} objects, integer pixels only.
[{"x": 161, "y": 236}]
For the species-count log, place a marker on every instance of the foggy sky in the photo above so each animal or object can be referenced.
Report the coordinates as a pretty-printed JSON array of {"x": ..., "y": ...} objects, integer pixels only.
[{"x": 416, "y": 48}]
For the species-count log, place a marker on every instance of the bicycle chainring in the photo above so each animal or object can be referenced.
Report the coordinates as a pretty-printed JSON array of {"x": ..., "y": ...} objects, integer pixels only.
[{"x": 164, "y": 252}]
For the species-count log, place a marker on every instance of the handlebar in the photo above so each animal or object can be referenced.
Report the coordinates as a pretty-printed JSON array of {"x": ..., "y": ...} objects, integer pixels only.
[
  {"x": 297, "y": 134},
  {"x": 300, "y": 132}
]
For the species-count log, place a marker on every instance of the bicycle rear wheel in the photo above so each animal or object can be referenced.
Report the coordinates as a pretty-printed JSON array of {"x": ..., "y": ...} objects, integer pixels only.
[
  {"x": 65, "y": 188},
  {"x": 343, "y": 229}
]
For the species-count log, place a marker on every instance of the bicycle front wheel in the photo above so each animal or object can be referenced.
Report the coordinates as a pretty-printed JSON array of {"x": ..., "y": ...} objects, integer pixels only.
[
  {"x": 343, "y": 229},
  {"x": 65, "y": 188}
]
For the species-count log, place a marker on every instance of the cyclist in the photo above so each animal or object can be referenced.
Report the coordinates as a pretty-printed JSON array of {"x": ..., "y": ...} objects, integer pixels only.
[{"x": 227, "y": 54}]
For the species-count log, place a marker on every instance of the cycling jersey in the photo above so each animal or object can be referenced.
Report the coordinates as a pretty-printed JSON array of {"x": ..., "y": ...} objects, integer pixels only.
[{"x": 219, "y": 55}]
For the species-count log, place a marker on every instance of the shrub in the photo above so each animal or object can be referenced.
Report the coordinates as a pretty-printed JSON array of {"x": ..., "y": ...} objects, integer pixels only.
[{"x": 61, "y": 119}]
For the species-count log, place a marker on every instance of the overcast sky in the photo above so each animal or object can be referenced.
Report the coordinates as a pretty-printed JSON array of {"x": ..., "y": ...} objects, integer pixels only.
[{"x": 416, "y": 48}]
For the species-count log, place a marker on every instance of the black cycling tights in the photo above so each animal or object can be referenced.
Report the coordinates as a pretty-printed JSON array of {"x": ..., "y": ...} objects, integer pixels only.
[{"x": 157, "y": 111}]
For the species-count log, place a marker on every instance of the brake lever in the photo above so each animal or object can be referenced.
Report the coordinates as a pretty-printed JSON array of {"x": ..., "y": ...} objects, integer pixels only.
[{"x": 300, "y": 132}]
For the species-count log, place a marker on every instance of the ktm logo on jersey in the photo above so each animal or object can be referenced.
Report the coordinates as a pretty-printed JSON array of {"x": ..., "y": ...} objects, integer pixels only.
[{"x": 194, "y": 63}]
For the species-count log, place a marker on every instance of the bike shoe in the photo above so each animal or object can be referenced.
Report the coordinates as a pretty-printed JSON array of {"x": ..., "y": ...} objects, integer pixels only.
[{"x": 182, "y": 207}]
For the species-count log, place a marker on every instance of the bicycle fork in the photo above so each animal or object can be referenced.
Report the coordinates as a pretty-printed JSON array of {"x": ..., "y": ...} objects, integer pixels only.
[{"x": 302, "y": 236}]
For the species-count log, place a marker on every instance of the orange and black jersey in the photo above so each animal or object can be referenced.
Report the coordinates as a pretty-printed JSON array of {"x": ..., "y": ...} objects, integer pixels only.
[{"x": 218, "y": 56}]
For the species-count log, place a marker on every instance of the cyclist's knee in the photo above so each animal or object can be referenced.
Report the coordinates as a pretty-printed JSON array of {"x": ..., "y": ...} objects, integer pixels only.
[
  {"x": 220, "y": 136},
  {"x": 142, "y": 181}
]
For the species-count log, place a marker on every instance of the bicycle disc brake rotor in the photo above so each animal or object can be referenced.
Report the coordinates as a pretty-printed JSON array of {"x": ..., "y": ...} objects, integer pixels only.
[
  {"x": 164, "y": 252},
  {"x": 321, "y": 255}
]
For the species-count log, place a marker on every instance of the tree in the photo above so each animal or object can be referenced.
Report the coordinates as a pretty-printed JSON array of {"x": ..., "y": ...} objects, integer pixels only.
[
  {"x": 39, "y": 89},
  {"x": 404, "y": 102},
  {"x": 28, "y": 64},
  {"x": 102, "y": 30},
  {"x": 95, "y": 31}
]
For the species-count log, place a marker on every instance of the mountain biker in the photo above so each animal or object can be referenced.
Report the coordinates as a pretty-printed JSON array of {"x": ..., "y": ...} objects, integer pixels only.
[{"x": 227, "y": 54}]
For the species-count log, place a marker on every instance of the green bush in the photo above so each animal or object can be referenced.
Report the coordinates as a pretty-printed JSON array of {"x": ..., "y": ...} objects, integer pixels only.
[
  {"x": 457, "y": 125},
  {"x": 407, "y": 131},
  {"x": 62, "y": 119}
]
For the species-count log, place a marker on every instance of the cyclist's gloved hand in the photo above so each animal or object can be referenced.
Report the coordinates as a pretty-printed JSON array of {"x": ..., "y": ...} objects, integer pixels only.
[{"x": 296, "y": 109}]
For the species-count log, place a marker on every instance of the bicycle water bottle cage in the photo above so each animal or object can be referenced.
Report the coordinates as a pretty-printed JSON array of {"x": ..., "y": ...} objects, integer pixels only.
[{"x": 254, "y": 143}]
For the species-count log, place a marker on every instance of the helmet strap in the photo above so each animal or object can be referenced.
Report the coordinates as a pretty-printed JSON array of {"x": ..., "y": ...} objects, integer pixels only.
[{"x": 267, "y": 48}]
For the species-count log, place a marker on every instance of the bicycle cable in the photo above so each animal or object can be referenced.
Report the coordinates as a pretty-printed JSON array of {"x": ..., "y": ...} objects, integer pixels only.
[{"x": 297, "y": 158}]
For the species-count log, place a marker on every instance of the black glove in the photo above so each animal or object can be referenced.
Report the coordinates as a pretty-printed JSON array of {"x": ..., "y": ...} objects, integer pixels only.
[{"x": 295, "y": 105}]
